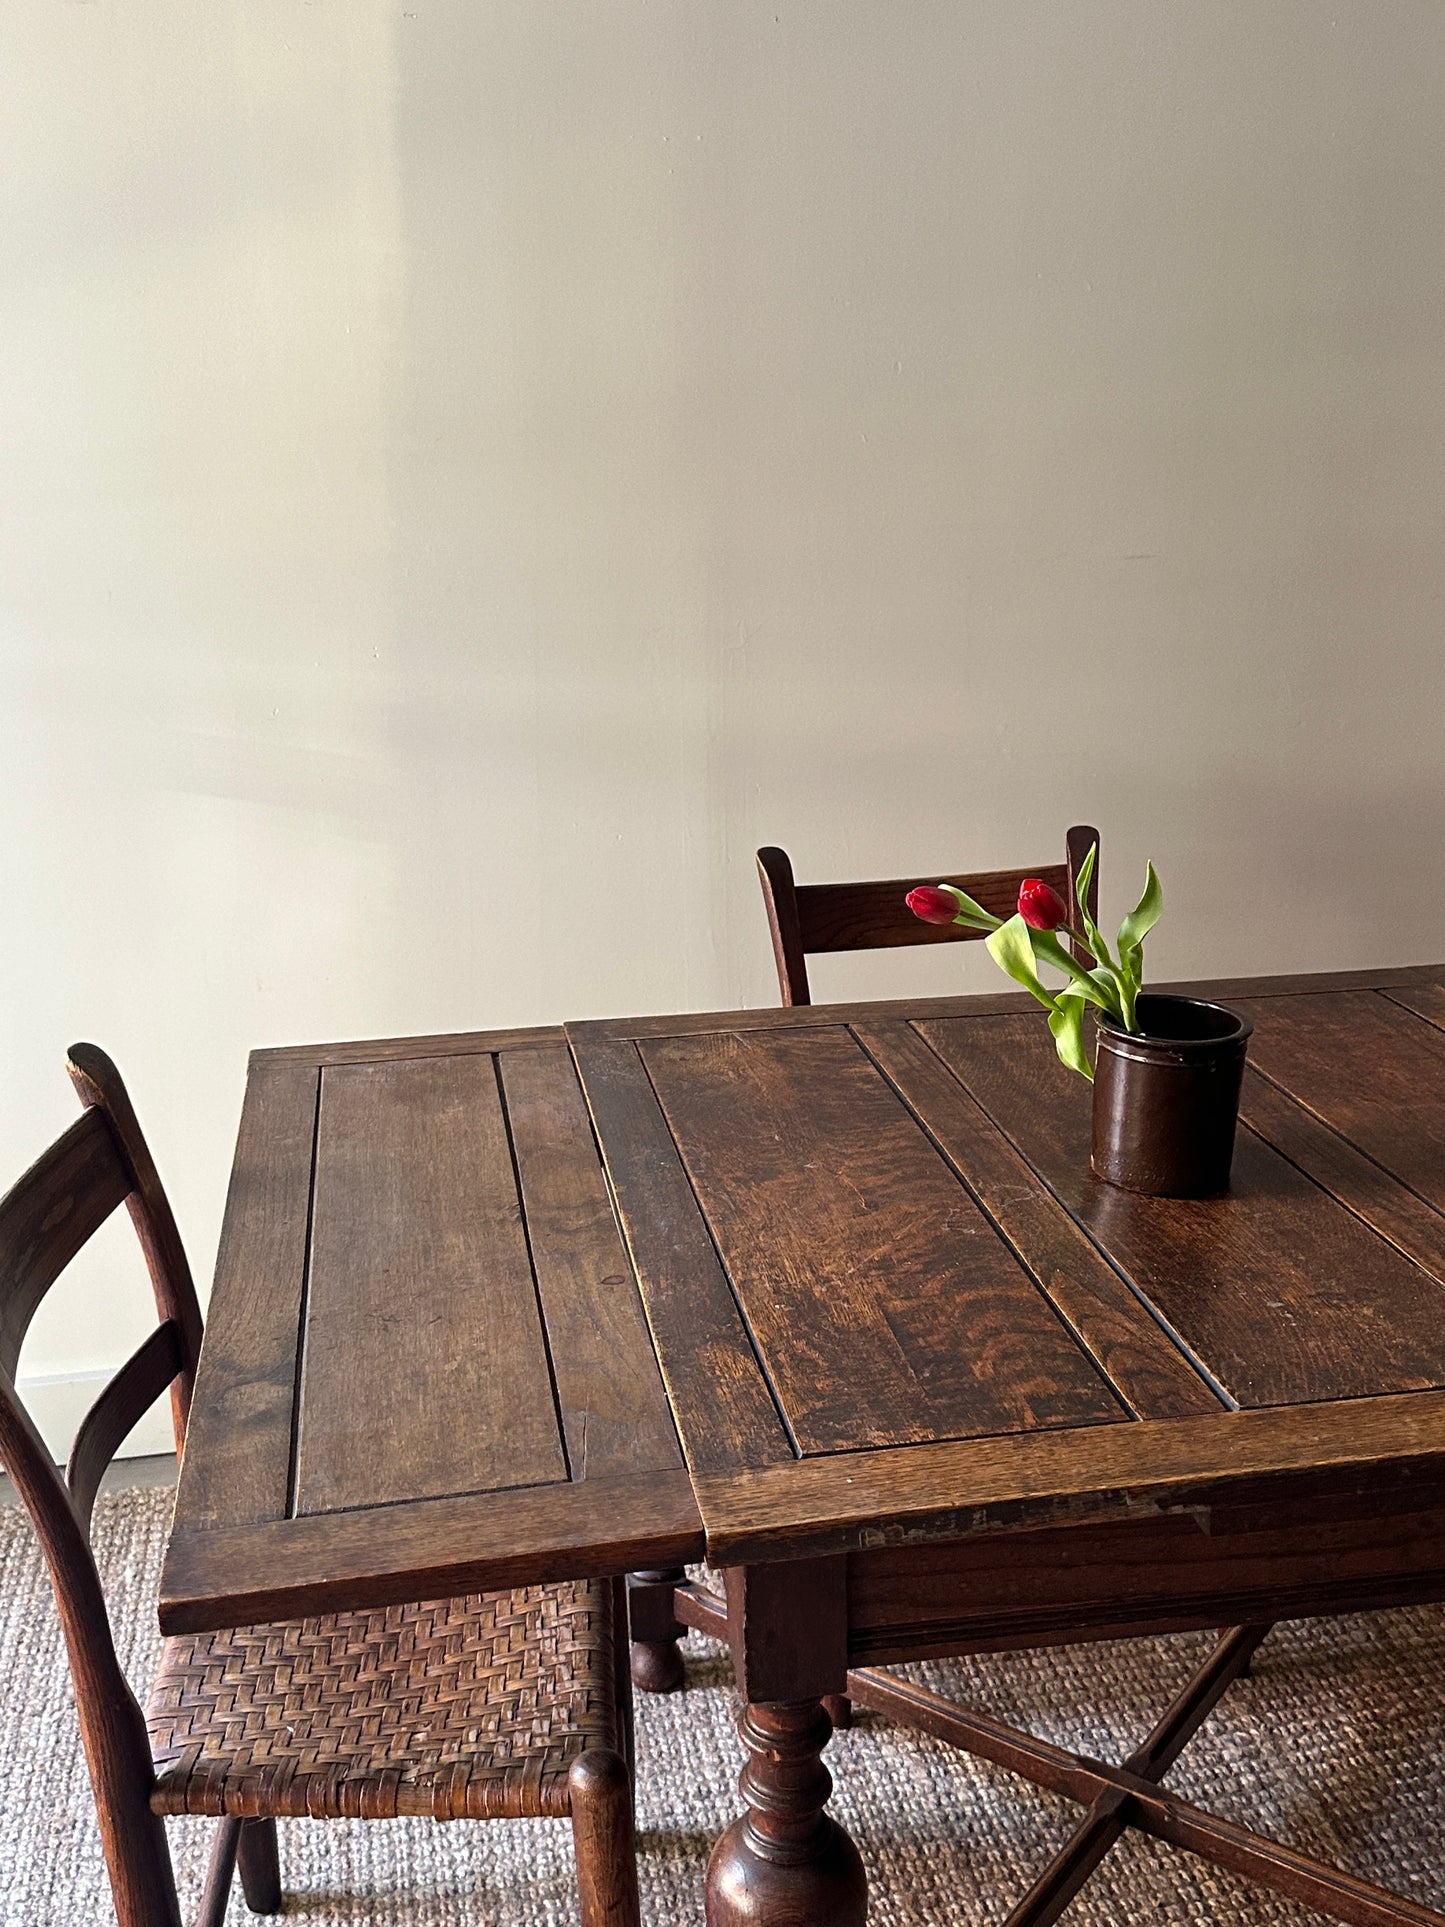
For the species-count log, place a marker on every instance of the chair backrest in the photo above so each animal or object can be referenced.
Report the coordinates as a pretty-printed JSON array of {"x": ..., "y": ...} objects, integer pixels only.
[
  {"x": 102, "y": 1161},
  {"x": 809, "y": 918}
]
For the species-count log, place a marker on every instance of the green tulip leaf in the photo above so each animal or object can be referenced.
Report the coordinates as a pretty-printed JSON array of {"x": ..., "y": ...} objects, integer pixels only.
[
  {"x": 1096, "y": 985},
  {"x": 1011, "y": 950},
  {"x": 1111, "y": 997},
  {"x": 1137, "y": 925},
  {"x": 1129, "y": 1014},
  {"x": 970, "y": 913},
  {"x": 1092, "y": 931},
  {"x": 1066, "y": 1021}
]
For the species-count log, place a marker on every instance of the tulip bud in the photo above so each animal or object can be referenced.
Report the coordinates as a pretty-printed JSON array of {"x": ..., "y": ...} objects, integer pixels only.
[
  {"x": 1041, "y": 907},
  {"x": 932, "y": 904}
]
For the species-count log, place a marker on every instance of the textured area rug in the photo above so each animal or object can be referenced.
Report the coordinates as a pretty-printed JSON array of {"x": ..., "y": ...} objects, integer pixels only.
[{"x": 1333, "y": 1745}]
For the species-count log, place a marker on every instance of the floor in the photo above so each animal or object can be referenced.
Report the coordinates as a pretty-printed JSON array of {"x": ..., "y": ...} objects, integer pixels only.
[{"x": 122, "y": 1475}]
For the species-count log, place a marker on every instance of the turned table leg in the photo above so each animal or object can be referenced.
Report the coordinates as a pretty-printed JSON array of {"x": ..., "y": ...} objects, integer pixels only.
[
  {"x": 786, "y": 1862},
  {"x": 656, "y": 1662}
]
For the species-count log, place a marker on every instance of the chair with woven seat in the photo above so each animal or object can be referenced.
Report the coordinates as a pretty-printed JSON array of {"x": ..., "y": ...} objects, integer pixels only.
[
  {"x": 806, "y": 919},
  {"x": 511, "y": 1704}
]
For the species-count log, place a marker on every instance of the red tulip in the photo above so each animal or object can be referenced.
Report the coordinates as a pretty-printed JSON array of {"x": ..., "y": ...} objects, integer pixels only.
[
  {"x": 1040, "y": 906},
  {"x": 932, "y": 904}
]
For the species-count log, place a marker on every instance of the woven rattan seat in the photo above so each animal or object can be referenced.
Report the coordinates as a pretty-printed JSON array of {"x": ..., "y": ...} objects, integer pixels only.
[{"x": 467, "y": 1708}]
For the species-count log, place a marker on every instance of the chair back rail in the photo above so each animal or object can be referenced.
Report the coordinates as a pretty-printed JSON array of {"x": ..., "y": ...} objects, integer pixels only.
[
  {"x": 101, "y": 1162},
  {"x": 55, "y": 1209},
  {"x": 149, "y": 1370},
  {"x": 809, "y": 919},
  {"x": 98, "y": 1085}
]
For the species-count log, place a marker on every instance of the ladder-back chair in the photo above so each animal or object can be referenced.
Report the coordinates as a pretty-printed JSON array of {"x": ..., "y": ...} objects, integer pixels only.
[
  {"x": 807, "y": 919},
  {"x": 524, "y": 1693}
]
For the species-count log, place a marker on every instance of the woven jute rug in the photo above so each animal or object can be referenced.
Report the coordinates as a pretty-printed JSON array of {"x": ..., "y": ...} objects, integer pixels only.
[{"x": 1333, "y": 1745}]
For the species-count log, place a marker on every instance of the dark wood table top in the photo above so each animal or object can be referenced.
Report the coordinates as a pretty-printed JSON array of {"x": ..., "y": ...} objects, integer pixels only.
[
  {"x": 426, "y": 1368},
  {"x": 889, "y": 1304}
]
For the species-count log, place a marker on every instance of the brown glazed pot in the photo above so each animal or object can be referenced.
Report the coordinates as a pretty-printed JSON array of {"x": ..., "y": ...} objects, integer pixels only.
[{"x": 1166, "y": 1100}]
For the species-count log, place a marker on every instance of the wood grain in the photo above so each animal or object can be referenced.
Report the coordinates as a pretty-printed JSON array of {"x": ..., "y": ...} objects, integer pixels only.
[
  {"x": 1148, "y": 1371},
  {"x": 1306, "y": 983},
  {"x": 907, "y": 1495},
  {"x": 386, "y": 1050},
  {"x": 609, "y": 1387},
  {"x": 130, "y": 1394},
  {"x": 1346, "y": 1173},
  {"x": 724, "y": 1410},
  {"x": 99, "y": 1085},
  {"x": 788, "y": 1628},
  {"x": 923, "y": 1009},
  {"x": 1427, "y": 1000},
  {"x": 238, "y": 1444},
  {"x": 1373, "y": 1071},
  {"x": 1166, "y": 1573},
  {"x": 424, "y": 1368},
  {"x": 433, "y": 1549},
  {"x": 60, "y": 1202},
  {"x": 875, "y": 916},
  {"x": 885, "y": 1306},
  {"x": 1280, "y": 1292}
]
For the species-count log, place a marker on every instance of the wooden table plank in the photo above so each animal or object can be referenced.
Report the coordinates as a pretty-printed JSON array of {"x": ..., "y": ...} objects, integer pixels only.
[
  {"x": 418, "y": 1178},
  {"x": 1427, "y": 1000},
  {"x": 385, "y": 1050},
  {"x": 884, "y": 1304},
  {"x": 1408, "y": 981},
  {"x": 1345, "y": 1172},
  {"x": 237, "y": 1465},
  {"x": 1280, "y": 1291},
  {"x": 1147, "y": 1369},
  {"x": 907, "y": 1495},
  {"x": 614, "y": 1407},
  {"x": 424, "y": 1370},
  {"x": 434, "y": 1549},
  {"x": 724, "y": 1408},
  {"x": 1315, "y": 1048}
]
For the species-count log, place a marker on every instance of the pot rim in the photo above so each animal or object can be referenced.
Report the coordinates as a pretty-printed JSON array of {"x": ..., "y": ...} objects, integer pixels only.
[{"x": 1150, "y": 1042}]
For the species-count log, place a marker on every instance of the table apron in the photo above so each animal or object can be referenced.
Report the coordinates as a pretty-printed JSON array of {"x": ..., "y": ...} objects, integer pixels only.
[{"x": 1135, "y": 1577}]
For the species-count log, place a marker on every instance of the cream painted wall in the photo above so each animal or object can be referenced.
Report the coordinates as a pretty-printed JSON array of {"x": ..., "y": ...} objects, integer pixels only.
[{"x": 472, "y": 469}]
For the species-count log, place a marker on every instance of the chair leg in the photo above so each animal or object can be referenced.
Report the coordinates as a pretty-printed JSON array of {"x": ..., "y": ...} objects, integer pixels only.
[
  {"x": 839, "y": 1709},
  {"x": 604, "y": 1839},
  {"x": 217, "y": 1890},
  {"x": 260, "y": 1862}
]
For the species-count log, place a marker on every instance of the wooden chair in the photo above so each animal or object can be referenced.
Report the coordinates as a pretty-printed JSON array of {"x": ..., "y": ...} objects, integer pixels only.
[
  {"x": 507, "y": 1704},
  {"x": 809, "y": 918}
]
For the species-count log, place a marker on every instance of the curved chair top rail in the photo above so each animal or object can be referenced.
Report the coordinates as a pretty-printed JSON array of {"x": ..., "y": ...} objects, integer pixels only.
[{"x": 807, "y": 919}]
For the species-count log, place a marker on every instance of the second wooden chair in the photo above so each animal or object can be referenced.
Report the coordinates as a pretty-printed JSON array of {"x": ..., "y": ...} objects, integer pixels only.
[{"x": 809, "y": 918}]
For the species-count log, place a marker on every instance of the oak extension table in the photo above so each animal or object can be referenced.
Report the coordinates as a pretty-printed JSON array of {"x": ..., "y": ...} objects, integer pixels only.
[{"x": 827, "y": 1298}]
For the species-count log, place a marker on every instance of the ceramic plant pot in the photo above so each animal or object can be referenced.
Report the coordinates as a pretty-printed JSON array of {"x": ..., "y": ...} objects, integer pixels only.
[{"x": 1166, "y": 1099}]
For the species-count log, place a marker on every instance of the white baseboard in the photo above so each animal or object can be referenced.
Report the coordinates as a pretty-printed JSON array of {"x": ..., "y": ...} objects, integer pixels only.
[{"x": 58, "y": 1401}]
